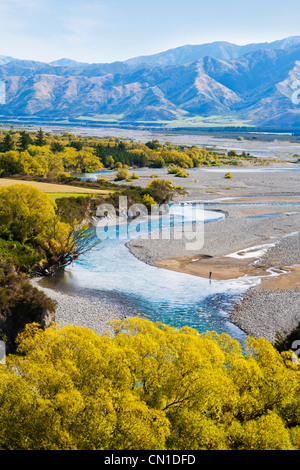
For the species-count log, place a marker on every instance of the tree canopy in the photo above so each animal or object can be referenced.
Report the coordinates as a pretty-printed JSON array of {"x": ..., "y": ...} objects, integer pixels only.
[
  {"x": 25, "y": 213},
  {"x": 33, "y": 153},
  {"x": 29, "y": 216},
  {"x": 147, "y": 385}
]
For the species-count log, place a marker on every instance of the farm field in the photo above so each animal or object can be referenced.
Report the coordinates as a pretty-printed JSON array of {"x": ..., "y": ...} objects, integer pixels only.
[{"x": 54, "y": 190}]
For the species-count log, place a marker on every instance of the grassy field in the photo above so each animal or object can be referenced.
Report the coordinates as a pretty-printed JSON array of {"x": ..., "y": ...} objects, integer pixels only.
[
  {"x": 63, "y": 195},
  {"x": 53, "y": 190}
]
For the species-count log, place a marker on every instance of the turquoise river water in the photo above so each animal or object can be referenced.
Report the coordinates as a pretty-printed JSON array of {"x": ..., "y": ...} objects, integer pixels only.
[
  {"x": 178, "y": 299},
  {"x": 174, "y": 298}
]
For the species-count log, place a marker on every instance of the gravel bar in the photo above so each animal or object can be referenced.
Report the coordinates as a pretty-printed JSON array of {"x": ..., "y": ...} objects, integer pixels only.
[
  {"x": 251, "y": 192},
  {"x": 80, "y": 310},
  {"x": 261, "y": 313}
]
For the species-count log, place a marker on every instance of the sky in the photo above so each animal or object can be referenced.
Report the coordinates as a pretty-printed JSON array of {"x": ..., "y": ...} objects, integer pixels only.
[{"x": 111, "y": 30}]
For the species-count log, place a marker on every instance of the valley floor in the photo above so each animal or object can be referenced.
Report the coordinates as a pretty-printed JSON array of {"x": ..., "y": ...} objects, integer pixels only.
[{"x": 259, "y": 232}]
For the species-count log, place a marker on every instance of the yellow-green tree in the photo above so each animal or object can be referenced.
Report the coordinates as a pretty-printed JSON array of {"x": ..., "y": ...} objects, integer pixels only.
[
  {"x": 69, "y": 158},
  {"x": 34, "y": 163},
  {"x": 25, "y": 213},
  {"x": 74, "y": 393},
  {"x": 147, "y": 385},
  {"x": 64, "y": 243},
  {"x": 10, "y": 163},
  {"x": 28, "y": 215},
  {"x": 87, "y": 161},
  {"x": 122, "y": 174}
]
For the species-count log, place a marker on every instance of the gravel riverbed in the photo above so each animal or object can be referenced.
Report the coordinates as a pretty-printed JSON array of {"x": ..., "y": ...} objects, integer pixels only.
[
  {"x": 261, "y": 312},
  {"x": 259, "y": 208},
  {"x": 265, "y": 312},
  {"x": 80, "y": 310}
]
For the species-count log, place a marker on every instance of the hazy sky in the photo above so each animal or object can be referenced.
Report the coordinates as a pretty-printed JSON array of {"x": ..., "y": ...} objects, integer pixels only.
[{"x": 109, "y": 30}]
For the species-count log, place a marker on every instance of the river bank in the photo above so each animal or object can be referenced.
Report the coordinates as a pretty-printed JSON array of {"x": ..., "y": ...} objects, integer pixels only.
[
  {"x": 273, "y": 306},
  {"x": 81, "y": 310}
]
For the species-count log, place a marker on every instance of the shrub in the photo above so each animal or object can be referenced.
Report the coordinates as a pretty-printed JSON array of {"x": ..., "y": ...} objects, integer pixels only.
[
  {"x": 148, "y": 201},
  {"x": 23, "y": 256},
  {"x": 122, "y": 174},
  {"x": 102, "y": 180},
  {"x": 160, "y": 190},
  {"x": 63, "y": 175},
  {"x": 21, "y": 303},
  {"x": 173, "y": 169},
  {"x": 182, "y": 174}
]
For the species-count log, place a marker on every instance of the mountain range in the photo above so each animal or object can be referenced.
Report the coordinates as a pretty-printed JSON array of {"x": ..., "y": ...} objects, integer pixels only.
[{"x": 254, "y": 83}]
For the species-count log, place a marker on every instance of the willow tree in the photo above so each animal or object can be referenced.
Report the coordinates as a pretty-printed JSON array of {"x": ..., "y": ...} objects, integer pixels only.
[
  {"x": 64, "y": 244},
  {"x": 28, "y": 215},
  {"x": 147, "y": 386},
  {"x": 25, "y": 213}
]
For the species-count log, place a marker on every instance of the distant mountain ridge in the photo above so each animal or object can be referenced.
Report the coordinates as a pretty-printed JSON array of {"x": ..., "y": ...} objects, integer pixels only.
[
  {"x": 5, "y": 59},
  {"x": 252, "y": 82},
  {"x": 219, "y": 50},
  {"x": 222, "y": 50}
]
